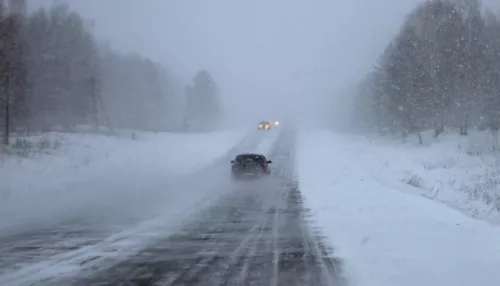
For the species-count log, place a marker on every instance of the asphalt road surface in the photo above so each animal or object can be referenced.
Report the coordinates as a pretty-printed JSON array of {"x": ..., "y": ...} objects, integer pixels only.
[{"x": 258, "y": 234}]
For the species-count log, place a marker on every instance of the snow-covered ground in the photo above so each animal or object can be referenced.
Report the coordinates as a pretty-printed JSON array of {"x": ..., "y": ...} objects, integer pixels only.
[
  {"x": 78, "y": 173},
  {"x": 459, "y": 171},
  {"x": 159, "y": 182},
  {"x": 385, "y": 233}
]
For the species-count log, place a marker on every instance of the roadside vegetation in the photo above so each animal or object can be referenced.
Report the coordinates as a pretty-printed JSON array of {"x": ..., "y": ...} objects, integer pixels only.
[{"x": 437, "y": 87}]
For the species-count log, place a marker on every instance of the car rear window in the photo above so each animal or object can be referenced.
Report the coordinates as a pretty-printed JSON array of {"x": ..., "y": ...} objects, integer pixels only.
[{"x": 250, "y": 158}]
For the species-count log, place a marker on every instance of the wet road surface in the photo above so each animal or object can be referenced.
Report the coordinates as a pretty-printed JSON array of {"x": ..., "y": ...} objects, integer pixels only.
[{"x": 258, "y": 234}]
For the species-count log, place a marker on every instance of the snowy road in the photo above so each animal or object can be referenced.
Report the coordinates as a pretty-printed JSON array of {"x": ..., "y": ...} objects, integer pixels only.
[{"x": 254, "y": 233}]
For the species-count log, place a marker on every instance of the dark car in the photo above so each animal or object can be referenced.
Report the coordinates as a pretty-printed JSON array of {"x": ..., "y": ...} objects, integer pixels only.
[{"x": 250, "y": 166}]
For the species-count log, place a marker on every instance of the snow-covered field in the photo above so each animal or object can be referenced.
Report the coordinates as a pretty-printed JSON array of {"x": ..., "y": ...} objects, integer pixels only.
[
  {"x": 83, "y": 172},
  {"x": 459, "y": 171},
  {"x": 386, "y": 232}
]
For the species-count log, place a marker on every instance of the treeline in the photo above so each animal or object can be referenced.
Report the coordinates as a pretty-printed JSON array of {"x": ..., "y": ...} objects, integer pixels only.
[
  {"x": 137, "y": 93},
  {"x": 54, "y": 73},
  {"x": 441, "y": 71}
]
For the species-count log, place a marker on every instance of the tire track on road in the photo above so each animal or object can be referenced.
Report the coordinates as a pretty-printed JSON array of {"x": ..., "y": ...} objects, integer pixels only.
[{"x": 257, "y": 234}]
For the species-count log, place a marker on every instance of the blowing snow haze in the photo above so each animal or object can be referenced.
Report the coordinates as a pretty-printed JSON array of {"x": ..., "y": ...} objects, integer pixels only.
[
  {"x": 284, "y": 56},
  {"x": 258, "y": 142}
]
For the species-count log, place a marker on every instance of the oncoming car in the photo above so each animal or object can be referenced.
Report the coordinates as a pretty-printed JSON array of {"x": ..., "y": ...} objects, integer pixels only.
[
  {"x": 250, "y": 166},
  {"x": 276, "y": 123},
  {"x": 264, "y": 125}
]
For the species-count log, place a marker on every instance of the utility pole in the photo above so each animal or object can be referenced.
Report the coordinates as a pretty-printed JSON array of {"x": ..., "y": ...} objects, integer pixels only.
[
  {"x": 93, "y": 91},
  {"x": 105, "y": 114},
  {"x": 98, "y": 105}
]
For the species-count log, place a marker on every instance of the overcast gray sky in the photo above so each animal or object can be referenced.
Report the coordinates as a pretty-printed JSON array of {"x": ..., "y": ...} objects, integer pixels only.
[{"x": 294, "y": 51}]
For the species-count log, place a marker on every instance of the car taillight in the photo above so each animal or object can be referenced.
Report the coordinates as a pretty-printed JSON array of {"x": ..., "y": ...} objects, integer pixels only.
[
  {"x": 235, "y": 169},
  {"x": 263, "y": 170}
]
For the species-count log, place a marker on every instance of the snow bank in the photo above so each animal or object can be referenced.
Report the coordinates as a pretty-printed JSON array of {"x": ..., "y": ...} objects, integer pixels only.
[
  {"x": 460, "y": 171},
  {"x": 87, "y": 172},
  {"x": 385, "y": 236}
]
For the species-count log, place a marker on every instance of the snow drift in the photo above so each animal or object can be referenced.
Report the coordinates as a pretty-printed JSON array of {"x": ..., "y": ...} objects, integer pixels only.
[{"x": 76, "y": 174}]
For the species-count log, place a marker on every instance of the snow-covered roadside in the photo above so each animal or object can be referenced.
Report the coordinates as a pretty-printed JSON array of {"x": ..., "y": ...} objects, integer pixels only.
[
  {"x": 90, "y": 171},
  {"x": 385, "y": 236},
  {"x": 455, "y": 170},
  {"x": 183, "y": 197}
]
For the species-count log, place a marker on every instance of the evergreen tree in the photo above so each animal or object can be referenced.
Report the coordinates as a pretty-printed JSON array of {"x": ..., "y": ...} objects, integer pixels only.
[
  {"x": 202, "y": 104},
  {"x": 442, "y": 69}
]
